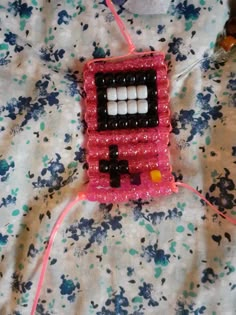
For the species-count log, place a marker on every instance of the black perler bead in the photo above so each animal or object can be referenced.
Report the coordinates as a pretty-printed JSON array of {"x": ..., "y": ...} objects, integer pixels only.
[
  {"x": 115, "y": 181},
  {"x": 152, "y": 114},
  {"x": 152, "y": 107},
  {"x": 151, "y": 76},
  {"x": 123, "y": 167},
  {"x": 113, "y": 152},
  {"x": 152, "y": 122},
  {"x": 102, "y": 111},
  {"x": 102, "y": 125},
  {"x": 135, "y": 179},
  {"x": 104, "y": 166},
  {"x": 143, "y": 122},
  {"x": 123, "y": 123},
  {"x": 133, "y": 122},
  {"x": 141, "y": 77},
  {"x": 120, "y": 79},
  {"x": 130, "y": 78},
  {"x": 100, "y": 79},
  {"x": 110, "y": 79},
  {"x": 102, "y": 95},
  {"x": 113, "y": 167},
  {"x": 152, "y": 92},
  {"x": 112, "y": 123}
]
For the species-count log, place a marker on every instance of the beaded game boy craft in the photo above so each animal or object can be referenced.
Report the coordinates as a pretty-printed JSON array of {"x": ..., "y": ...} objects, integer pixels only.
[{"x": 128, "y": 118}]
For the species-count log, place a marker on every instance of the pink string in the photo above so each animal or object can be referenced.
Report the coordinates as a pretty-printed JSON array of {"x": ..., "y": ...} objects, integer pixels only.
[
  {"x": 127, "y": 37},
  {"x": 231, "y": 220},
  {"x": 130, "y": 54},
  {"x": 80, "y": 196},
  {"x": 122, "y": 26}
]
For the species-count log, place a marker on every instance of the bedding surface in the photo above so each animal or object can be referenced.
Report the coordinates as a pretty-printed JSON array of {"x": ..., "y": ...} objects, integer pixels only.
[{"x": 170, "y": 255}]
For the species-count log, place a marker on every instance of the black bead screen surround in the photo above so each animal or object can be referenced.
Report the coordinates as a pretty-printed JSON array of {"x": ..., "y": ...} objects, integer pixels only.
[{"x": 145, "y": 79}]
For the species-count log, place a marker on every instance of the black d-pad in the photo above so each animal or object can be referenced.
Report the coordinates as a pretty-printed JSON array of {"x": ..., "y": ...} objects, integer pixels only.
[{"x": 114, "y": 167}]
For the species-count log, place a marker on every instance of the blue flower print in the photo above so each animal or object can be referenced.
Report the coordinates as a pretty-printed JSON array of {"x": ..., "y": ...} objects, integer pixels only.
[
  {"x": 18, "y": 285},
  {"x": 225, "y": 201},
  {"x": 190, "y": 118},
  {"x": 204, "y": 100},
  {"x": 208, "y": 276},
  {"x": 99, "y": 52},
  {"x": 130, "y": 271},
  {"x": 68, "y": 287},
  {"x": 54, "y": 172},
  {"x": 156, "y": 217},
  {"x": 225, "y": 183},
  {"x": 63, "y": 17},
  {"x": 8, "y": 201},
  {"x": 72, "y": 84},
  {"x": 160, "y": 29},
  {"x": 146, "y": 291},
  {"x": 80, "y": 155},
  {"x": 188, "y": 11},
  {"x": 119, "y": 303},
  {"x": 48, "y": 54},
  {"x": 158, "y": 255},
  {"x": 17, "y": 7},
  {"x": 95, "y": 232},
  {"x": 173, "y": 214},
  {"x": 5, "y": 169},
  {"x": 3, "y": 239},
  {"x": 175, "y": 48},
  {"x": 32, "y": 251},
  {"x": 24, "y": 106},
  {"x": 153, "y": 217},
  {"x": 104, "y": 311},
  {"x": 225, "y": 198},
  {"x": 40, "y": 310},
  {"x": 232, "y": 85},
  {"x": 10, "y": 38},
  {"x": 67, "y": 138},
  {"x": 185, "y": 308},
  {"x": 5, "y": 60}
]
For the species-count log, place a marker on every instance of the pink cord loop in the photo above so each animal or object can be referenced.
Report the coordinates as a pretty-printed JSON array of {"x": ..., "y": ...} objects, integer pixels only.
[
  {"x": 80, "y": 196},
  {"x": 122, "y": 27},
  {"x": 231, "y": 220}
]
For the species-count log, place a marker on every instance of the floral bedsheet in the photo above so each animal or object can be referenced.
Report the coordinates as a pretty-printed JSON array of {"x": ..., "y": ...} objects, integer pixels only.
[{"x": 170, "y": 255}]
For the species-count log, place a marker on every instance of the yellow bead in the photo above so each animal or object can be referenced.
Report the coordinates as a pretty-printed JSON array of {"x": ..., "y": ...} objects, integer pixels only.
[{"x": 155, "y": 176}]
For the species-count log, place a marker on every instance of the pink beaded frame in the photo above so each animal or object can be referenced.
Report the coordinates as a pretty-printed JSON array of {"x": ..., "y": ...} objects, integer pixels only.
[{"x": 146, "y": 149}]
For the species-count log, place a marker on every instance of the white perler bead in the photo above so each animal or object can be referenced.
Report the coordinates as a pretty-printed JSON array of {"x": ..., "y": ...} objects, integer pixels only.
[
  {"x": 132, "y": 107},
  {"x": 132, "y": 92},
  {"x": 112, "y": 108},
  {"x": 111, "y": 94},
  {"x": 122, "y": 108},
  {"x": 142, "y": 106},
  {"x": 142, "y": 91},
  {"x": 121, "y": 93}
]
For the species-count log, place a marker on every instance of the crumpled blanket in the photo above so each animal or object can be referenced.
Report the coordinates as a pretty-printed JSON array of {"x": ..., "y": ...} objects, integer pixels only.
[{"x": 170, "y": 255}]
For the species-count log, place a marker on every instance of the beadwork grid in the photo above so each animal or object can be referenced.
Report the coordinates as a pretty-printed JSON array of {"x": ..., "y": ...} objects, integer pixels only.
[
  {"x": 126, "y": 99},
  {"x": 125, "y": 150}
]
